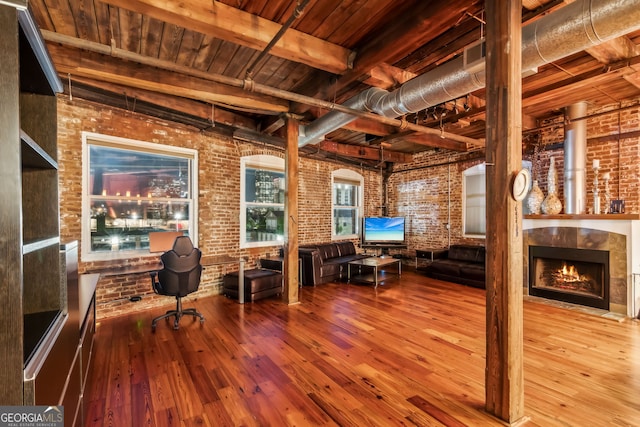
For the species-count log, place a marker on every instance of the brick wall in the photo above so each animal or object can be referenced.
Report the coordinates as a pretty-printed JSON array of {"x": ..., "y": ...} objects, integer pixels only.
[
  {"x": 428, "y": 189},
  {"x": 218, "y": 196}
]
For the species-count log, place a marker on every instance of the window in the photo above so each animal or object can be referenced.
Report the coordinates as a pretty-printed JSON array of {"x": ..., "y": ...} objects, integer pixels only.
[
  {"x": 474, "y": 194},
  {"x": 262, "y": 201},
  {"x": 346, "y": 203},
  {"x": 474, "y": 201},
  {"x": 131, "y": 188}
]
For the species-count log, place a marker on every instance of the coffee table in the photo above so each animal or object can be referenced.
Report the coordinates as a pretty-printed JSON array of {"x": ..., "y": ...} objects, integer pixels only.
[{"x": 373, "y": 263}]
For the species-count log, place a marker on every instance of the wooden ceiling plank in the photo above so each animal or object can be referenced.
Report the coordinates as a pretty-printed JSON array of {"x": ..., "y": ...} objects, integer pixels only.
[
  {"x": 84, "y": 14},
  {"x": 633, "y": 79},
  {"x": 207, "y": 52},
  {"x": 61, "y": 17},
  {"x": 170, "y": 43},
  {"x": 228, "y": 23},
  {"x": 150, "y": 44},
  {"x": 132, "y": 22},
  {"x": 425, "y": 22},
  {"x": 189, "y": 46},
  {"x": 94, "y": 66}
]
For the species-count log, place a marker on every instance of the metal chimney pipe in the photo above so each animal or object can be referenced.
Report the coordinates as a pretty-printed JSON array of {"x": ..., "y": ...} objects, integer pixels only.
[{"x": 575, "y": 159}]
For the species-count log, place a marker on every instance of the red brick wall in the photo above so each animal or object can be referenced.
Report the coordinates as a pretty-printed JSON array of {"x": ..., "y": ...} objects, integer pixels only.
[
  {"x": 218, "y": 197},
  {"x": 420, "y": 190},
  {"x": 427, "y": 191}
]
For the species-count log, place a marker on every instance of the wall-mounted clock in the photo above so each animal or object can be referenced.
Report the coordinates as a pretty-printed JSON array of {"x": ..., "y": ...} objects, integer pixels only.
[{"x": 520, "y": 184}]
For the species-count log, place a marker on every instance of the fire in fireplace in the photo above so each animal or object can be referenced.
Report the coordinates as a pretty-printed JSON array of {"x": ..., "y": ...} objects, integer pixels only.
[{"x": 579, "y": 276}]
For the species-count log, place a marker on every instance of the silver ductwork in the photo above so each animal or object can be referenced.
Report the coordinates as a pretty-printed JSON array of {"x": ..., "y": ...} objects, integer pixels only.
[
  {"x": 575, "y": 159},
  {"x": 575, "y": 27}
]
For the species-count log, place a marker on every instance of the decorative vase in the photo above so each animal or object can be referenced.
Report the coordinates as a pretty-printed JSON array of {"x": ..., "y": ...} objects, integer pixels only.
[
  {"x": 551, "y": 205},
  {"x": 535, "y": 198}
]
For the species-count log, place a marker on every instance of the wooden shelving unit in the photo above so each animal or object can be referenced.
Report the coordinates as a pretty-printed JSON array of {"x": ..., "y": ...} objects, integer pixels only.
[{"x": 40, "y": 325}]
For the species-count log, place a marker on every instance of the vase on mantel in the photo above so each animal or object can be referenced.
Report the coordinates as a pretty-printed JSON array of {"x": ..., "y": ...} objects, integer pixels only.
[
  {"x": 535, "y": 198},
  {"x": 551, "y": 205}
]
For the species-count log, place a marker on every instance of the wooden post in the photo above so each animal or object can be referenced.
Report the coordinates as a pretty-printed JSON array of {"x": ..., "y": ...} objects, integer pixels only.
[
  {"x": 290, "y": 268},
  {"x": 504, "y": 384}
]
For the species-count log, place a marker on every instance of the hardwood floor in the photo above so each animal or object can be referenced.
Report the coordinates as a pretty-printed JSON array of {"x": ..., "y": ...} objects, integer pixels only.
[{"x": 409, "y": 353}]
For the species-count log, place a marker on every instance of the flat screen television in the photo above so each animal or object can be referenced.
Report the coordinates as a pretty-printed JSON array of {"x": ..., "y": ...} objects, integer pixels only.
[{"x": 383, "y": 230}]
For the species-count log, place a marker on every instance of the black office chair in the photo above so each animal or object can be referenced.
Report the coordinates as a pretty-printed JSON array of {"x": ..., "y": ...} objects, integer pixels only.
[{"x": 180, "y": 276}]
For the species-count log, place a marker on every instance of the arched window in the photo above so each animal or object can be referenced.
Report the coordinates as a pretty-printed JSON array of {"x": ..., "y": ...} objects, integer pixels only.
[{"x": 346, "y": 203}]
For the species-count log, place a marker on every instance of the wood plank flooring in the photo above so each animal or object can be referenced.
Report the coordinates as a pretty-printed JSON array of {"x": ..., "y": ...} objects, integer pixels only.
[{"x": 409, "y": 353}]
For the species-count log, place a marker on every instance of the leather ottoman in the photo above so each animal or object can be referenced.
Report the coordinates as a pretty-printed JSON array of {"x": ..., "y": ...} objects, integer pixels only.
[{"x": 258, "y": 283}]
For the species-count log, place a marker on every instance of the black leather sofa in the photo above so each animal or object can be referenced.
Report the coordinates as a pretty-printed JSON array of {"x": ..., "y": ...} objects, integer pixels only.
[
  {"x": 326, "y": 262},
  {"x": 464, "y": 264}
]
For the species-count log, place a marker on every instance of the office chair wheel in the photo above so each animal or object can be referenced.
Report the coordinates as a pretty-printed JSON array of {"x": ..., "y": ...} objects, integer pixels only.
[
  {"x": 176, "y": 325},
  {"x": 153, "y": 328},
  {"x": 202, "y": 320}
]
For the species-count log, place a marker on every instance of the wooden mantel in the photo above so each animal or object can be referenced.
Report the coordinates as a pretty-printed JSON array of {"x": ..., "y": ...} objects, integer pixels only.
[{"x": 610, "y": 217}]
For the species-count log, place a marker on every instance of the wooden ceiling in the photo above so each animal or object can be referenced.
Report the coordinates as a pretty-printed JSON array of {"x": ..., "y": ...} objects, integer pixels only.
[{"x": 196, "y": 62}]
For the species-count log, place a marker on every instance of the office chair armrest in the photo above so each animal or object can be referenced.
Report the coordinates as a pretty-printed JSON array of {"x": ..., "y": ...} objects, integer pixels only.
[{"x": 154, "y": 282}]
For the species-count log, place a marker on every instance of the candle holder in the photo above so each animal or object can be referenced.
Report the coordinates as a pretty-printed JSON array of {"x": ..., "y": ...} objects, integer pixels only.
[
  {"x": 607, "y": 196},
  {"x": 596, "y": 196}
]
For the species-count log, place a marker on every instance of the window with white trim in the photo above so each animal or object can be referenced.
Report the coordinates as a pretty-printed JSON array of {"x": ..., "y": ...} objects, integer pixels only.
[
  {"x": 262, "y": 183},
  {"x": 474, "y": 195},
  {"x": 346, "y": 203},
  {"x": 131, "y": 188},
  {"x": 474, "y": 206}
]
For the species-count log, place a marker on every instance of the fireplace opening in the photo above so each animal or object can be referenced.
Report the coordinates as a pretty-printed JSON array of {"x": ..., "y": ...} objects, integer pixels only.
[{"x": 579, "y": 276}]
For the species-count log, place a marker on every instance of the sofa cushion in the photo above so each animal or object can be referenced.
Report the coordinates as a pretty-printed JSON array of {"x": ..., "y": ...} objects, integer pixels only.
[
  {"x": 467, "y": 253},
  {"x": 327, "y": 251},
  {"x": 473, "y": 271},
  {"x": 330, "y": 269},
  {"x": 346, "y": 248},
  {"x": 445, "y": 266}
]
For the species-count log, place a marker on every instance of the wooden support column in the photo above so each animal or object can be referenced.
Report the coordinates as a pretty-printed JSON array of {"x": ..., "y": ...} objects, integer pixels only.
[
  {"x": 504, "y": 384},
  {"x": 292, "y": 174}
]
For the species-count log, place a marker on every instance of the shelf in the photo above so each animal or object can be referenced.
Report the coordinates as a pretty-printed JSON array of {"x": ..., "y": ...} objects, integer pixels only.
[
  {"x": 27, "y": 248},
  {"x": 608, "y": 217},
  {"x": 33, "y": 156}
]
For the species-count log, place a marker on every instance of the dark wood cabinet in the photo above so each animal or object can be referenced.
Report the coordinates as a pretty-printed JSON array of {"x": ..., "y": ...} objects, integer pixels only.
[{"x": 40, "y": 342}]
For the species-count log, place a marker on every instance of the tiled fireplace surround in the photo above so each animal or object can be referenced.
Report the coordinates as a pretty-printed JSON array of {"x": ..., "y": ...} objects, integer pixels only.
[{"x": 618, "y": 234}]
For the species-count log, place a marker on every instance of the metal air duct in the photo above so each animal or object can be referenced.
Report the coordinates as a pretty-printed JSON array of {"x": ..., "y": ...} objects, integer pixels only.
[
  {"x": 575, "y": 27},
  {"x": 575, "y": 160}
]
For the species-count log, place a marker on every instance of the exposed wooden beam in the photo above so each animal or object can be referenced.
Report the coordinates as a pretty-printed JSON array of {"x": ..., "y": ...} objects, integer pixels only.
[
  {"x": 436, "y": 141},
  {"x": 364, "y": 152},
  {"x": 370, "y": 127},
  {"x": 386, "y": 76},
  {"x": 218, "y": 20},
  {"x": 94, "y": 66},
  {"x": 170, "y": 102},
  {"x": 292, "y": 178},
  {"x": 504, "y": 382},
  {"x": 614, "y": 50}
]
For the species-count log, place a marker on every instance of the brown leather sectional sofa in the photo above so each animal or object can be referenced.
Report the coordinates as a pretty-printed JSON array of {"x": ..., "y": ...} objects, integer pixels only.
[
  {"x": 464, "y": 264},
  {"x": 326, "y": 262}
]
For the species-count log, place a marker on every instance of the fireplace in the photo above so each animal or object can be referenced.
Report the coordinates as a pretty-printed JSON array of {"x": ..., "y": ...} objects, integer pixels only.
[{"x": 579, "y": 276}]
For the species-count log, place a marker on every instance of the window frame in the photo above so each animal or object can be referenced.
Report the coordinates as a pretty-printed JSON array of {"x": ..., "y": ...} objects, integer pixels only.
[
  {"x": 476, "y": 170},
  {"x": 265, "y": 162},
  {"x": 347, "y": 176},
  {"x": 91, "y": 138}
]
